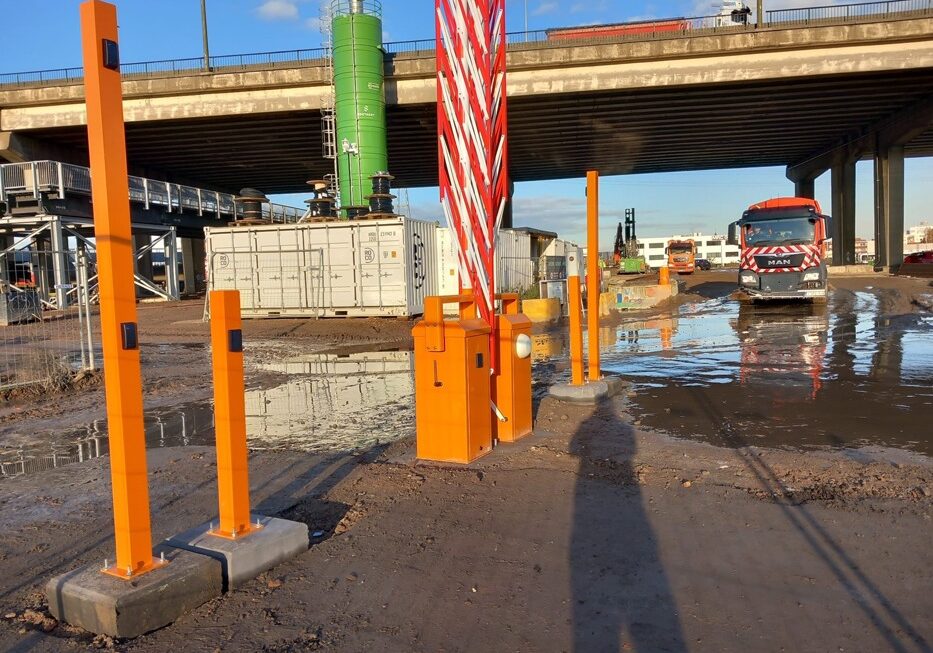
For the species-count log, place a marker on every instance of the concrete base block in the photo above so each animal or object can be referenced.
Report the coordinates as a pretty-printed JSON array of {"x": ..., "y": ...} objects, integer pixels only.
[
  {"x": 245, "y": 558},
  {"x": 591, "y": 392},
  {"x": 102, "y": 604}
]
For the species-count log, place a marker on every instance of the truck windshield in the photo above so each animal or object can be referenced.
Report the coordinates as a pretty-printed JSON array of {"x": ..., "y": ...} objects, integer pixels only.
[
  {"x": 680, "y": 249},
  {"x": 785, "y": 231}
]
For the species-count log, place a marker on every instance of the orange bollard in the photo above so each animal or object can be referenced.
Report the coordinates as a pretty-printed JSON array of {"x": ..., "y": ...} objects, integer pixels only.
[
  {"x": 593, "y": 274},
  {"x": 118, "y": 320},
  {"x": 230, "y": 415},
  {"x": 664, "y": 276},
  {"x": 575, "y": 307}
]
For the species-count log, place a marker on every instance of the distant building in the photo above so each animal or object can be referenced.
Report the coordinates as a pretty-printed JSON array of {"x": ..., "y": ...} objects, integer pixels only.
[
  {"x": 865, "y": 248},
  {"x": 712, "y": 248},
  {"x": 921, "y": 233}
]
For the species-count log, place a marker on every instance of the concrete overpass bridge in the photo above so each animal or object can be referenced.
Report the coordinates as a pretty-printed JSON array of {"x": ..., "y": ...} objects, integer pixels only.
[{"x": 815, "y": 90}]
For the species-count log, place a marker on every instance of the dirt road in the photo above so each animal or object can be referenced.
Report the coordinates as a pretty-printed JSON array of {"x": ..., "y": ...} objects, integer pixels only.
[{"x": 591, "y": 536}]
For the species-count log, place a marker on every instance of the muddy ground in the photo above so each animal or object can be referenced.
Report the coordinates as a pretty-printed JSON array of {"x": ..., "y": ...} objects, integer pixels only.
[{"x": 599, "y": 533}]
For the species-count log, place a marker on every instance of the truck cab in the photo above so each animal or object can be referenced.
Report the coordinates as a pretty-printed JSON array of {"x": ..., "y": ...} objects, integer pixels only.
[
  {"x": 681, "y": 256},
  {"x": 782, "y": 245}
]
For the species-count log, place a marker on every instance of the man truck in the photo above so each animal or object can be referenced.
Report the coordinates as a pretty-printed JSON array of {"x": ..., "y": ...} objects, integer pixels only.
[
  {"x": 782, "y": 254},
  {"x": 681, "y": 256}
]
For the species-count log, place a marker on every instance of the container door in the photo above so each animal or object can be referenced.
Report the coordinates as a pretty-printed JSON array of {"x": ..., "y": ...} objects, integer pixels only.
[
  {"x": 382, "y": 264},
  {"x": 337, "y": 245},
  {"x": 230, "y": 263},
  {"x": 280, "y": 270}
]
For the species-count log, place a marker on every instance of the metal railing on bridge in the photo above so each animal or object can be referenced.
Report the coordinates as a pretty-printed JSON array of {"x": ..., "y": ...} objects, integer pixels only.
[
  {"x": 648, "y": 30},
  {"x": 63, "y": 179},
  {"x": 850, "y": 12}
]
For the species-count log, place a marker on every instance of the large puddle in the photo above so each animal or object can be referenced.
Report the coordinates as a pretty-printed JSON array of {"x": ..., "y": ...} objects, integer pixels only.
[
  {"x": 799, "y": 376},
  {"x": 324, "y": 403},
  {"x": 786, "y": 375}
]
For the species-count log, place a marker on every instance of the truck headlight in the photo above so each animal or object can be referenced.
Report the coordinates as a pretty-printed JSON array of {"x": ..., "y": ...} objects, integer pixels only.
[
  {"x": 748, "y": 279},
  {"x": 811, "y": 275}
]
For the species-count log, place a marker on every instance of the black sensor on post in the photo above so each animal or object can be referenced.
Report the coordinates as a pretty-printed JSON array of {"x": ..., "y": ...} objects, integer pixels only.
[
  {"x": 235, "y": 341},
  {"x": 111, "y": 55},
  {"x": 130, "y": 336}
]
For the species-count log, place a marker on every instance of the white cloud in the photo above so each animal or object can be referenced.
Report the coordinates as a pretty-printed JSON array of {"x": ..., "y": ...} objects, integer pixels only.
[
  {"x": 278, "y": 10},
  {"x": 313, "y": 24},
  {"x": 544, "y": 8}
]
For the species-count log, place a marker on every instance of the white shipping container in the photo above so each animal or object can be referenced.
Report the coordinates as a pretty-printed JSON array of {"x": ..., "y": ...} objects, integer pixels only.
[
  {"x": 330, "y": 269},
  {"x": 514, "y": 267}
]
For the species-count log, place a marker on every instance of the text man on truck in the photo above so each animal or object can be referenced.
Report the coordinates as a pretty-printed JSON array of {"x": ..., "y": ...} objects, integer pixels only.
[
  {"x": 783, "y": 249},
  {"x": 681, "y": 256}
]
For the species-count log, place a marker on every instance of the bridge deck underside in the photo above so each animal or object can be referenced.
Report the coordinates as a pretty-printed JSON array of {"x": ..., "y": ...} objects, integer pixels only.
[{"x": 552, "y": 136}]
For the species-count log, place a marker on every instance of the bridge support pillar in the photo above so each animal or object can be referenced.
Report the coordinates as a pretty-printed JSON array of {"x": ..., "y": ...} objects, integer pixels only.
[
  {"x": 889, "y": 208},
  {"x": 843, "y": 212},
  {"x": 192, "y": 264},
  {"x": 805, "y": 188}
]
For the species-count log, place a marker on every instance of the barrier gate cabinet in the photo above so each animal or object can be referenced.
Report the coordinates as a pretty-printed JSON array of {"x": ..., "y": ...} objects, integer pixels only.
[{"x": 455, "y": 393}]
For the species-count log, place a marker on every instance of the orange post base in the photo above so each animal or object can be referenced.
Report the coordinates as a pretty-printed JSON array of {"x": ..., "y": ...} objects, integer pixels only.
[
  {"x": 129, "y": 574},
  {"x": 452, "y": 386}
]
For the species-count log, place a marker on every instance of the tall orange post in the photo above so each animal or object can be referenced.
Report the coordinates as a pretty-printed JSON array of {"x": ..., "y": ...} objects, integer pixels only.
[
  {"x": 230, "y": 414},
  {"x": 119, "y": 334},
  {"x": 575, "y": 308},
  {"x": 593, "y": 275}
]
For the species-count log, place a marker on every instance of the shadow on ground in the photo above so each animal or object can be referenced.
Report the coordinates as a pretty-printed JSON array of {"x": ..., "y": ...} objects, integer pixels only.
[{"x": 622, "y": 599}]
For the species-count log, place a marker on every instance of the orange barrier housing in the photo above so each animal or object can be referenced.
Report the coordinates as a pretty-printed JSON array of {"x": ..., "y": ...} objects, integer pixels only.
[
  {"x": 230, "y": 415},
  {"x": 452, "y": 383},
  {"x": 119, "y": 332},
  {"x": 512, "y": 383}
]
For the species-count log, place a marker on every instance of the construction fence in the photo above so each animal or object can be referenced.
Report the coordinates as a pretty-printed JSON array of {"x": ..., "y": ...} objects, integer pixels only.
[{"x": 41, "y": 344}]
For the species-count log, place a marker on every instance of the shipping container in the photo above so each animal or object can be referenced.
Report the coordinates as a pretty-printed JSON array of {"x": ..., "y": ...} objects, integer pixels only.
[
  {"x": 329, "y": 269},
  {"x": 514, "y": 266}
]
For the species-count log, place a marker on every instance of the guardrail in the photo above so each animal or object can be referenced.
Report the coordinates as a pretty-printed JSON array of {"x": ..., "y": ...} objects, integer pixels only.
[
  {"x": 36, "y": 177},
  {"x": 654, "y": 29},
  {"x": 848, "y": 13}
]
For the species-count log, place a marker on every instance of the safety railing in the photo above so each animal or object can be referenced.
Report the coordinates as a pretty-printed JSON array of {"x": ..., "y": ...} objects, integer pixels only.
[
  {"x": 34, "y": 178},
  {"x": 654, "y": 29},
  {"x": 849, "y": 13}
]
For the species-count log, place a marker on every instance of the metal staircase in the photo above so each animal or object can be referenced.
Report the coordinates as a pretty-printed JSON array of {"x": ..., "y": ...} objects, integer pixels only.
[{"x": 328, "y": 102}]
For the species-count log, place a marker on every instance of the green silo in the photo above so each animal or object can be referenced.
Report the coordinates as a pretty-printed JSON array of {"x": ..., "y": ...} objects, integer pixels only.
[{"x": 360, "y": 99}]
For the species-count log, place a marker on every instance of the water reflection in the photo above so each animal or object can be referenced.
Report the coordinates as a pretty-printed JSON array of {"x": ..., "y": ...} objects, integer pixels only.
[
  {"x": 327, "y": 403},
  {"x": 334, "y": 403},
  {"x": 185, "y": 425},
  {"x": 782, "y": 347},
  {"x": 788, "y": 375}
]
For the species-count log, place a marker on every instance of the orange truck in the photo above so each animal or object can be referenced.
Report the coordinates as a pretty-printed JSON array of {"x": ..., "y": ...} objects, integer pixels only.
[
  {"x": 782, "y": 250},
  {"x": 681, "y": 256}
]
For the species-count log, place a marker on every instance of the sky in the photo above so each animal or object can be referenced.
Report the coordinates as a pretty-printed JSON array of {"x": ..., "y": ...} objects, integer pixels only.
[{"x": 665, "y": 204}]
